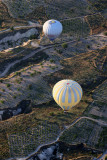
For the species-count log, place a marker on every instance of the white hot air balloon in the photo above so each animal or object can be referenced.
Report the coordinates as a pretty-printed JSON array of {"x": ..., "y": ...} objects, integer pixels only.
[{"x": 52, "y": 29}]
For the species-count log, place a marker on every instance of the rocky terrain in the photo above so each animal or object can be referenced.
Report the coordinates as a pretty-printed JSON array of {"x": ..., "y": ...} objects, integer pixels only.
[{"x": 30, "y": 65}]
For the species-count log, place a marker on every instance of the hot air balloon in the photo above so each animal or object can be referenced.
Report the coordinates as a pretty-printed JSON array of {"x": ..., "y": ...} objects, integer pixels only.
[
  {"x": 67, "y": 93},
  {"x": 52, "y": 29}
]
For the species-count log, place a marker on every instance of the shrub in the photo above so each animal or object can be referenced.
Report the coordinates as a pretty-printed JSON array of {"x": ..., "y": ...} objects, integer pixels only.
[
  {"x": 1, "y": 81},
  {"x": 105, "y": 33},
  {"x": 52, "y": 61},
  {"x": 72, "y": 10},
  {"x": 89, "y": 7},
  {"x": 36, "y": 72},
  {"x": 18, "y": 73},
  {"x": 3, "y": 90},
  {"x": 30, "y": 86},
  {"x": 8, "y": 85},
  {"x": 9, "y": 43},
  {"x": 64, "y": 45},
  {"x": 2, "y": 101},
  {"x": 12, "y": 28},
  {"x": 41, "y": 63},
  {"x": 88, "y": 46},
  {"x": 18, "y": 89},
  {"x": 53, "y": 67},
  {"x": 33, "y": 37},
  {"x": 59, "y": 51},
  {"x": 14, "y": 97},
  {"x": 32, "y": 74},
  {"x": 51, "y": 113},
  {"x": 103, "y": 25},
  {"x": 18, "y": 81}
]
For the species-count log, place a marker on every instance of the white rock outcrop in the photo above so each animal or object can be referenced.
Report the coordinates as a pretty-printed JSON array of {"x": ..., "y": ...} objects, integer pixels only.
[{"x": 18, "y": 36}]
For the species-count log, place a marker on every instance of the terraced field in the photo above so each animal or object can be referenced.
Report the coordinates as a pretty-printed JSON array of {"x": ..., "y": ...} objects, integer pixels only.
[
  {"x": 98, "y": 108},
  {"x": 84, "y": 131},
  {"x": 76, "y": 27},
  {"x": 97, "y": 23}
]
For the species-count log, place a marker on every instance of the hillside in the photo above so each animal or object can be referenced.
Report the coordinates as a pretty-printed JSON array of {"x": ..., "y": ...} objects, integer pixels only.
[
  {"x": 30, "y": 65},
  {"x": 84, "y": 68}
]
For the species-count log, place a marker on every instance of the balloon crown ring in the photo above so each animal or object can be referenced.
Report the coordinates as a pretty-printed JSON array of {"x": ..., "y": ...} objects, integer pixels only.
[
  {"x": 51, "y": 22},
  {"x": 68, "y": 83}
]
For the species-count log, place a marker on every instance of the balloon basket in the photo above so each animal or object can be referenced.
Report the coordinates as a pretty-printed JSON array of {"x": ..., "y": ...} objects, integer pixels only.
[{"x": 65, "y": 111}]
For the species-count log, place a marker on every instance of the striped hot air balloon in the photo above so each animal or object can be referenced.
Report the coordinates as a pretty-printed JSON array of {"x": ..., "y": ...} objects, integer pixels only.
[
  {"x": 67, "y": 93},
  {"x": 52, "y": 29}
]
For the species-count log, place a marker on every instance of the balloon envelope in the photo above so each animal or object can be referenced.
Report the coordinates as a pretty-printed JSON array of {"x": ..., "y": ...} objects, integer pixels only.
[
  {"x": 52, "y": 29},
  {"x": 67, "y": 93}
]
